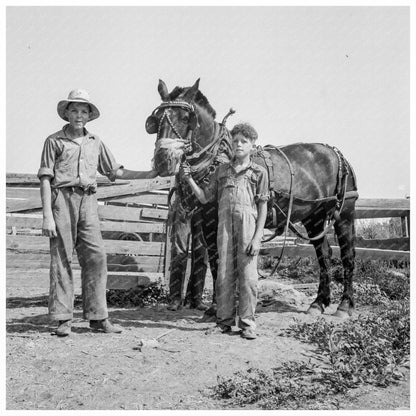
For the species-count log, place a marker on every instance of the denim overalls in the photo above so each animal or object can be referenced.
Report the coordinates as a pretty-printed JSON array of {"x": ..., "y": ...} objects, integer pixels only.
[{"x": 238, "y": 194}]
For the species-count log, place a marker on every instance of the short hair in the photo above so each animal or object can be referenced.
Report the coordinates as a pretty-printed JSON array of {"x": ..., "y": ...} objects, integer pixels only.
[{"x": 246, "y": 129}]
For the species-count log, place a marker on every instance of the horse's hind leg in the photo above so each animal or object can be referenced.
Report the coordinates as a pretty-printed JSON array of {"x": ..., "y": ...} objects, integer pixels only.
[
  {"x": 345, "y": 230},
  {"x": 314, "y": 226}
]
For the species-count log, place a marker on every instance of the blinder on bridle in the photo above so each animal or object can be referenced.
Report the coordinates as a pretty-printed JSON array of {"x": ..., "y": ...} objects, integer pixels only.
[{"x": 153, "y": 122}]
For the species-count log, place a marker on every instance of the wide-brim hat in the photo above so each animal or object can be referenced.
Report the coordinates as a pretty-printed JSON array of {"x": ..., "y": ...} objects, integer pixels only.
[{"x": 77, "y": 96}]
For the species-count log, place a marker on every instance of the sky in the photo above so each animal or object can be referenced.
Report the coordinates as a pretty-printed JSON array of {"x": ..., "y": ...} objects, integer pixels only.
[{"x": 336, "y": 75}]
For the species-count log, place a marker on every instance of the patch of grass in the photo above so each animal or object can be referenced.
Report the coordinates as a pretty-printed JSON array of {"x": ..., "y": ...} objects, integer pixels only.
[
  {"x": 290, "y": 386},
  {"x": 365, "y": 350},
  {"x": 368, "y": 349}
]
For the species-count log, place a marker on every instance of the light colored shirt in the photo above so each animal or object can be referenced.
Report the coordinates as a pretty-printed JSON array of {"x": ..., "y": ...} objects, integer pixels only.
[{"x": 75, "y": 162}]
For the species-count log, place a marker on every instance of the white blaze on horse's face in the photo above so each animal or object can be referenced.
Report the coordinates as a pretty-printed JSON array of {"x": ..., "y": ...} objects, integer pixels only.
[{"x": 172, "y": 132}]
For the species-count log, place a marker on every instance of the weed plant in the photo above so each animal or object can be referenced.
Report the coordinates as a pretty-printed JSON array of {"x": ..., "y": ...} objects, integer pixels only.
[{"x": 369, "y": 349}]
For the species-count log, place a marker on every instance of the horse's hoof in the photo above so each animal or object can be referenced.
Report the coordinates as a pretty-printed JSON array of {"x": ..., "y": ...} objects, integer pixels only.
[
  {"x": 342, "y": 314},
  {"x": 315, "y": 310}
]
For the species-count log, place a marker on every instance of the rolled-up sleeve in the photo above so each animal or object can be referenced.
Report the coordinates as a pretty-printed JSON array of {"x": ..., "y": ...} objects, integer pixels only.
[
  {"x": 47, "y": 161},
  {"x": 262, "y": 192},
  {"x": 107, "y": 164}
]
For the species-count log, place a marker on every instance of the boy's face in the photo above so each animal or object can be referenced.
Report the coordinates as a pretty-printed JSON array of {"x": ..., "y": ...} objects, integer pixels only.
[
  {"x": 242, "y": 146},
  {"x": 78, "y": 114}
]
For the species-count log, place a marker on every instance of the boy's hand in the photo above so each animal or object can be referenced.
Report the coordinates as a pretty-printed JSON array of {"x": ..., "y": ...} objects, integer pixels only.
[
  {"x": 253, "y": 248},
  {"x": 49, "y": 227},
  {"x": 185, "y": 171}
]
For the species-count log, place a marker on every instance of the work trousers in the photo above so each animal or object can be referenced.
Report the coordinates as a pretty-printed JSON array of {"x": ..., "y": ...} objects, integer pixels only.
[
  {"x": 78, "y": 227},
  {"x": 237, "y": 272},
  {"x": 199, "y": 228}
]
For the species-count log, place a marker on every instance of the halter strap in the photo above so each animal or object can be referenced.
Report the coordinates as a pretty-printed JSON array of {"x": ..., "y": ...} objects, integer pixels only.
[
  {"x": 182, "y": 104},
  {"x": 169, "y": 104}
]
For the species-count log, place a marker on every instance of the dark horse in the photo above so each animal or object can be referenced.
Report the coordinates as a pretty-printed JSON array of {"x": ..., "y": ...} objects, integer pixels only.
[{"x": 310, "y": 183}]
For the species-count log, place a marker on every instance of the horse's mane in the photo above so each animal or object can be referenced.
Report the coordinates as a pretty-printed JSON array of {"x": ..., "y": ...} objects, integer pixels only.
[{"x": 200, "y": 99}]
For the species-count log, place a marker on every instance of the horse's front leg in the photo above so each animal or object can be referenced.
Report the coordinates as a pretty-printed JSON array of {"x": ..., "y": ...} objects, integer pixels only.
[
  {"x": 345, "y": 231},
  {"x": 210, "y": 226},
  {"x": 323, "y": 299}
]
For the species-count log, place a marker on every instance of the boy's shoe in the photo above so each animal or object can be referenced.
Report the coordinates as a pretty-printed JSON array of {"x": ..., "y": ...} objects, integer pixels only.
[
  {"x": 64, "y": 328},
  {"x": 218, "y": 329},
  {"x": 200, "y": 306},
  {"x": 212, "y": 310},
  {"x": 105, "y": 326},
  {"x": 175, "y": 305},
  {"x": 248, "y": 333}
]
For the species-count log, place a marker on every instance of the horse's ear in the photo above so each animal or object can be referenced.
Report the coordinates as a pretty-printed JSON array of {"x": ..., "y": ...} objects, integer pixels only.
[
  {"x": 163, "y": 90},
  {"x": 193, "y": 90}
]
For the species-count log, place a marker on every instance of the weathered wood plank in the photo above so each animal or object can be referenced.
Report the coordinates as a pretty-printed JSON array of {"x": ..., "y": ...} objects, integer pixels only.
[
  {"x": 17, "y": 194},
  {"x": 32, "y": 261},
  {"x": 25, "y": 221},
  {"x": 38, "y": 243},
  {"x": 111, "y": 212},
  {"x": 15, "y": 205},
  {"x": 362, "y": 213},
  {"x": 127, "y": 188},
  {"x": 134, "y": 227},
  {"x": 32, "y": 178},
  {"x": 133, "y": 187},
  {"x": 304, "y": 250},
  {"x": 401, "y": 243},
  {"x": 21, "y": 192},
  {"x": 384, "y": 203},
  {"x": 148, "y": 198},
  {"x": 115, "y": 280}
]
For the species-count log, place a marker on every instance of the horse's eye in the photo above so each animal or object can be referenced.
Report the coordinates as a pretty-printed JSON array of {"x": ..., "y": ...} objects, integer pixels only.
[{"x": 185, "y": 119}]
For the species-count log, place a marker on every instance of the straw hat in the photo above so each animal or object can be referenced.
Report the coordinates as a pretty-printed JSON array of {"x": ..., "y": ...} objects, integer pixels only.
[{"x": 77, "y": 96}]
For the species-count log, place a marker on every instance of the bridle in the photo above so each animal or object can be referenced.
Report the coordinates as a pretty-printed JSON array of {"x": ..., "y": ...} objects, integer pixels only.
[{"x": 154, "y": 124}]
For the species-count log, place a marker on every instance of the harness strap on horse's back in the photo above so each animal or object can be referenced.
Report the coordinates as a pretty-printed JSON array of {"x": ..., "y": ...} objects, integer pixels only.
[{"x": 269, "y": 164}]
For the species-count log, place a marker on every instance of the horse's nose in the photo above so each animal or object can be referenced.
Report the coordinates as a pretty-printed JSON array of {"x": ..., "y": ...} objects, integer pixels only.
[{"x": 165, "y": 162}]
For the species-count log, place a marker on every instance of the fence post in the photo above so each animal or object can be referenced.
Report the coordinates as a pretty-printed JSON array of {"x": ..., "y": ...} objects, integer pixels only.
[{"x": 405, "y": 225}]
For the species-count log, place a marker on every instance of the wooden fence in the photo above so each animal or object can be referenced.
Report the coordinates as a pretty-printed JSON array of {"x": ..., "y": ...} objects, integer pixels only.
[
  {"x": 133, "y": 217},
  {"x": 385, "y": 249}
]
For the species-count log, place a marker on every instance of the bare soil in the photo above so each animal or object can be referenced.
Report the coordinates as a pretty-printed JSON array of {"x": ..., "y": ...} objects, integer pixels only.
[{"x": 162, "y": 360}]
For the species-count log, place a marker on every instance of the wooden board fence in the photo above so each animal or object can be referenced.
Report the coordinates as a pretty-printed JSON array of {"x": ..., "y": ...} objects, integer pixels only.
[{"x": 133, "y": 219}]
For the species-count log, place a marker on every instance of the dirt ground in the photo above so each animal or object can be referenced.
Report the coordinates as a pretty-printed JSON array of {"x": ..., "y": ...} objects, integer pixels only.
[{"x": 162, "y": 360}]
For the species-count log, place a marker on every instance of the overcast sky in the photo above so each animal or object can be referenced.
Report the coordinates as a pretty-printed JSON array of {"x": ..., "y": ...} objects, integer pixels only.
[{"x": 336, "y": 75}]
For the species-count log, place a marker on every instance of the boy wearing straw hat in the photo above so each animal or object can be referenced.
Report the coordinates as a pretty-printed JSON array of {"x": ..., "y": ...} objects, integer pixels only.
[{"x": 69, "y": 163}]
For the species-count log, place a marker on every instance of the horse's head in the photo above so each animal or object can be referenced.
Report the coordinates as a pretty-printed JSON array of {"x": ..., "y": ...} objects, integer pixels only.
[{"x": 184, "y": 122}]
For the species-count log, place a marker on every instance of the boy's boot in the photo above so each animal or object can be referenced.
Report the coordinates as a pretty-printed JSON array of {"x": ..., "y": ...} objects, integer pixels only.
[
  {"x": 64, "y": 328},
  {"x": 104, "y": 325}
]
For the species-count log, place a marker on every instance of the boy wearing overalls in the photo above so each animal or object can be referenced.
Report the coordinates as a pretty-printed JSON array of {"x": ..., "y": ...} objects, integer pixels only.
[
  {"x": 241, "y": 188},
  {"x": 69, "y": 163}
]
